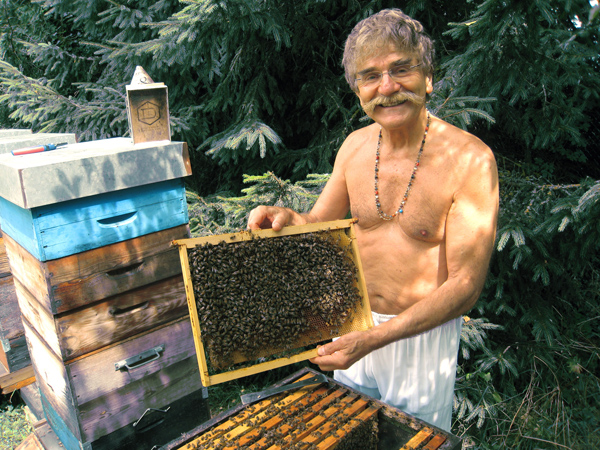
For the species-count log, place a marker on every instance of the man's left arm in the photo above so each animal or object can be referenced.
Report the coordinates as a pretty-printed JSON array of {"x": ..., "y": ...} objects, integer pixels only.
[{"x": 470, "y": 235}]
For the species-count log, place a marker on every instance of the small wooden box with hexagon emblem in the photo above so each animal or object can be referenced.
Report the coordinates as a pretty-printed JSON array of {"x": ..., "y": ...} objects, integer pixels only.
[{"x": 147, "y": 109}]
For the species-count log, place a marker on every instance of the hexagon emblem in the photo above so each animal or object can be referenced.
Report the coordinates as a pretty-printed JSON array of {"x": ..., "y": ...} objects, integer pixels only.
[{"x": 148, "y": 113}]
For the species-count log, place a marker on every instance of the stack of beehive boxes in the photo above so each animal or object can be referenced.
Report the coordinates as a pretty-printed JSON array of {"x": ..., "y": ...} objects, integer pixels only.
[
  {"x": 88, "y": 231},
  {"x": 13, "y": 348}
]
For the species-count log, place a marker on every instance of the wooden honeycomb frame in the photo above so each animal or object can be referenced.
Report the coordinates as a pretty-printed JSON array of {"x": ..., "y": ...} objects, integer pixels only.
[
  {"x": 322, "y": 414},
  {"x": 361, "y": 321}
]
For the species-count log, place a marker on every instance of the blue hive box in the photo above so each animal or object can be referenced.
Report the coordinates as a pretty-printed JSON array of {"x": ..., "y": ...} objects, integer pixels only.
[{"x": 88, "y": 195}]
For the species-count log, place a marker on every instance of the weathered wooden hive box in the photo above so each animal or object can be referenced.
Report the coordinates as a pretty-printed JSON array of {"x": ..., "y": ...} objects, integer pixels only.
[
  {"x": 13, "y": 347},
  {"x": 88, "y": 231},
  {"x": 264, "y": 299},
  {"x": 323, "y": 415}
]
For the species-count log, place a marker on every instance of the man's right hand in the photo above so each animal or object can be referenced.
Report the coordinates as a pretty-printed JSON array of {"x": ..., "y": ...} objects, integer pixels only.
[{"x": 273, "y": 217}]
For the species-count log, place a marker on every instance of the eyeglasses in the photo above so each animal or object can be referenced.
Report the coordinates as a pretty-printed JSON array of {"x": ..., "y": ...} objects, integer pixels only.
[{"x": 397, "y": 73}]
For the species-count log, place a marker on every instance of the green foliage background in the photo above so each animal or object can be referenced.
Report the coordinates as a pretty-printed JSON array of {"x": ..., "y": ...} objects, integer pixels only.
[{"x": 257, "y": 90}]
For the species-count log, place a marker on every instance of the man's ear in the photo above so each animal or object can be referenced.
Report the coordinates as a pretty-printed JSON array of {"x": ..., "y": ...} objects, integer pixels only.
[{"x": 429, "y": 85}]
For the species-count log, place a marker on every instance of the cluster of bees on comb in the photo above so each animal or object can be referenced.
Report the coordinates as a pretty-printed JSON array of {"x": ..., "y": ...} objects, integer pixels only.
[
  {"x": 267, "y": 293},
  {"x": 323, "y": 419}
]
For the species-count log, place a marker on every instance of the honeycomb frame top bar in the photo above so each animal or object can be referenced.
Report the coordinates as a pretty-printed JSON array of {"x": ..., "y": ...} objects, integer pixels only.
[{"x": 248, "y": 235}]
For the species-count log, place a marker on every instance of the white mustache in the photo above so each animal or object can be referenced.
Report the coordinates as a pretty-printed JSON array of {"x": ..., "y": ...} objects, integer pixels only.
[{"x": 396, "y": 99}]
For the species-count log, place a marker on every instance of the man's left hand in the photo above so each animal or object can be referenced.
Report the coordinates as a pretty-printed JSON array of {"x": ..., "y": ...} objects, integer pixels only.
[{"x": 343, "y": 352}]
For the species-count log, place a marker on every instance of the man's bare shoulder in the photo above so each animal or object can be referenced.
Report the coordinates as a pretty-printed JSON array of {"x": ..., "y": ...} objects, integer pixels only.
[
  {"x": 465, "y": 147},
  {"x": 472, "y": 161},
  {"x": 358, "y": 139}
]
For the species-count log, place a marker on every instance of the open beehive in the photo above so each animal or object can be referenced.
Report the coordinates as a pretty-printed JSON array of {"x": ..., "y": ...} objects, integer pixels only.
[
  {"x": 263, "y": 299},
  {"x": 323, "y": 415}
]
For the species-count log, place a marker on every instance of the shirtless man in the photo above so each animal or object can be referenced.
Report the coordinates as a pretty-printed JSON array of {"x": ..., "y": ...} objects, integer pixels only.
[{"x": 425, "y": 194}]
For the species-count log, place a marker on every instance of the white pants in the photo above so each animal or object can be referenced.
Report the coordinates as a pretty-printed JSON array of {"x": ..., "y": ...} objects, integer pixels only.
[{"x": 416, "y": 375}]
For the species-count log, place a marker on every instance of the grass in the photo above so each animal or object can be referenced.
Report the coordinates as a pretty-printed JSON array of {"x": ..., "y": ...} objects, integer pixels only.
[{"x": 14, "y": 426}]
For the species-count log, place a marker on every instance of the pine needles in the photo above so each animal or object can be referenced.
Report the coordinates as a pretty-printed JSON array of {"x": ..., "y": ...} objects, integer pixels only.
[{"x": 520, "y": 385}]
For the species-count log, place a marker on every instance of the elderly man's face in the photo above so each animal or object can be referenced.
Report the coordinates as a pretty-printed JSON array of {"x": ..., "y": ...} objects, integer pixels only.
[{"x": 391, "y": 102}]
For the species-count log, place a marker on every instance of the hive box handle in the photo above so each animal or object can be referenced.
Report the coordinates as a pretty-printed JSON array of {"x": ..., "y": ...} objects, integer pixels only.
[{"x": 146, "y": 357}]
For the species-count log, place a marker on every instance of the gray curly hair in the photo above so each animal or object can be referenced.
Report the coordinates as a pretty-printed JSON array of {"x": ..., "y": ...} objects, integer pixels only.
[{"x": 370, "y": 36}]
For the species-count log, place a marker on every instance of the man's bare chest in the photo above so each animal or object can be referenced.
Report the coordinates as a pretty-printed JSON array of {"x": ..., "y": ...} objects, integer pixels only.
[{"x": 427, "y": 200}]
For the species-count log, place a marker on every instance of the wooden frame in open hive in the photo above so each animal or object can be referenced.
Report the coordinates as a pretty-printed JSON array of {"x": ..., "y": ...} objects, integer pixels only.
[
  {"x": 341, "y": 233},
  {"x": 319, "y": 415}
]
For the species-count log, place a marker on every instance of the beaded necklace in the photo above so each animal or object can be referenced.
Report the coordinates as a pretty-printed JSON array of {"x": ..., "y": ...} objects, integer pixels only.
[{"x": 400, "y": 210}]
